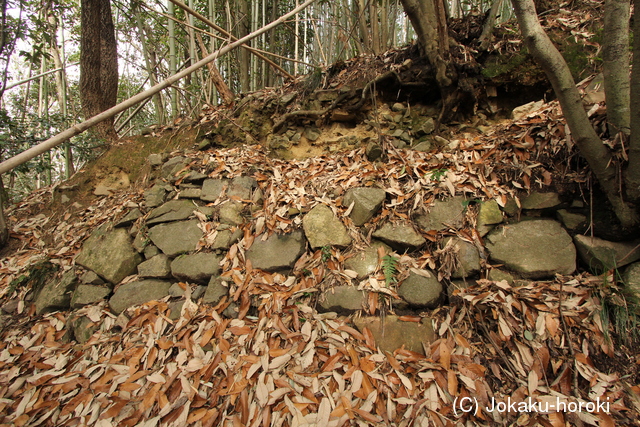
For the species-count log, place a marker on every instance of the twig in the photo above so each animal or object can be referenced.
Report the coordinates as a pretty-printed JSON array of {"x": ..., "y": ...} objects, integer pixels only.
[
  {"x": 503, "y": 356},
  {"x": 565, "y": 330}
]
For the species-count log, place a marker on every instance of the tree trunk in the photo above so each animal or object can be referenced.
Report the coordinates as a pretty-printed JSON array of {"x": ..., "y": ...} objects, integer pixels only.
[
  {"x": 98, "y": 63},
  {"x": 615, "y": 57},
  {"x": 173, "y": 59},
  {"x": 243, "y": 26},
  {"x": 632, "y": 175},
  {"x": 430, "y": 24},
  {"x": 432, "y": 38},
  {"x": 61, "y": 86},
  {"x": 216, "y": 78},
  {"x": 4, "y": 227},
  {"x": 489, "y": 25},
  {"x": 590, "y": 146},
  {"x": 144, "y": 34},
  {"x": 375, "y": 32}
]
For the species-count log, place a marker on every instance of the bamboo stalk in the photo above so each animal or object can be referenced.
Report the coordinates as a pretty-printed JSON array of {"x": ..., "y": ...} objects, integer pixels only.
[
  {"x": 217, "y": 37},
  {"x": 44, "y": 146},
  {"x": 231, "y": 36},
  {"x": 21, "y": 82}
]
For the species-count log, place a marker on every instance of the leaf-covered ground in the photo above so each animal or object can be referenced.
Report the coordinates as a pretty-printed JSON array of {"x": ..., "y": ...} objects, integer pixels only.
[
  {"x": 283, "y": 363},
  {"x": 297, "y": 367}
]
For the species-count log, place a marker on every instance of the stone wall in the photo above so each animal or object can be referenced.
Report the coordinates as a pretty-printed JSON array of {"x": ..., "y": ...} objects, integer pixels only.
[{"x": 177, "y": 240}]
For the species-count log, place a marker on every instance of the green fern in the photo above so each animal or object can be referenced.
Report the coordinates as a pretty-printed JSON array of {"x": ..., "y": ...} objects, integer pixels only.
[
  {"x": 326, "y": 253},
  {"x": 390, "y": 269}
]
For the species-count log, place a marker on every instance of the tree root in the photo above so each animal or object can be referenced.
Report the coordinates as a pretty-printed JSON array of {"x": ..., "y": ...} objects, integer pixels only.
[
  {"x": 367, "y": 91},
  {"x": 311, "y": 114},
  {"x": 308, "y": 114}
]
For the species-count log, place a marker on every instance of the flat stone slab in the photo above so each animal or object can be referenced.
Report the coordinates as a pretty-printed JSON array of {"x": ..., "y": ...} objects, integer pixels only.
[
  {"x": 91, "y": 278},
  {"x": 442, "y": 215},
  {"x": 421, "y": 290},
  {"x": 226, "y": 237},
  {"x": 241, "y": 187},
  {"x": 538, "y": 200},
  {"x": 489, "y": 213},
  {"x": 277, "y": 252},
  {"x": 158, "y": 267},
  {"x": 231, "y": 213},
  {"x": 391, "y": 333},
  {"x": 176, "y": 238},
  {"x": 88, "y": 294},
  {"x": 173, "y": 210},
  {"x": 190, "y": 193},
  {"x": 155, "y": 196},
  {"x": 194, "y": 176},
  {"x": 139, "y": 292},
  {"x": 601, "y": 254},
  {"x": 212, "y": 189},
  {"x": 196, "y": 267},
  {"x": 109, "y": 254},
  {"x": 366, "y": 203},
  {"x": 572, "y": 221},
  {"x": 150, "y": 251},
  {"x": 172, "y": 167},
  {"x": 343, "y": 299},
  {"x": 366, "y": 261},
  {"x": 537, "y": 249},
  {"x": 323, "y": 228},
  {"x": 129, "y": 218},
  {"x": 399, "y": 236}
]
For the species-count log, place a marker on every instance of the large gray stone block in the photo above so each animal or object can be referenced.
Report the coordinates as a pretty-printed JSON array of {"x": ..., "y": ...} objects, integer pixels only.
[
  {"x": 536, "y": 249},
  {"x": 366, "y": 203},
  {"x": 277, "y": 252},
  {"x": 365, "y": 262},
  {"x": 212, "y": 189},
  {"x": 88, "y": 294},
  {"x": 176, "y": 238},
  {"x": 196, "y": 268},
  {"x": 109, "y": 254},
  {"x": 139, "y": 292},
  {"x": 323, "y": 228},
  {"x": 391, "y": 333},
  {"x": 56, "y": 293},
  {"x": 158, "y": 267},
  {"x": 343, "y": 299},
  {"x": 399, "y": 236},
  {"x": 173, "y": 210},
  {"x": 442, "y": 215},
  {"x": 421, "y": 291},
  {"x": 599, "y": 254}
]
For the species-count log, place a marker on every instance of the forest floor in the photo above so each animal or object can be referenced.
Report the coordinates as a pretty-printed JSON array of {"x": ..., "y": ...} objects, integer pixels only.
[
  {"x": 544, "y": 342},
  {"x": 295, "y": 366}
]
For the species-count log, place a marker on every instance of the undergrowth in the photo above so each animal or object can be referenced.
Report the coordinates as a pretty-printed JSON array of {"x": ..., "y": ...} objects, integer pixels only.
[
  {"x": 620, "y": 310},
  {"x": 34, "y": 278},
  {"x": 390, "y": 269}
]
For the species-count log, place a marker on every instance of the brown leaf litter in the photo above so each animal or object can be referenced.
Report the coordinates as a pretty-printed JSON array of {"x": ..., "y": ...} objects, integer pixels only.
[{"x": 288, "y": 365}]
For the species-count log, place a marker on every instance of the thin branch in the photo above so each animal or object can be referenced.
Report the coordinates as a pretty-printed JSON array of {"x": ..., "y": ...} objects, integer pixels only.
[
  {"x": 230, "y": 36},
  {"x": 29, "y": 154}
]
